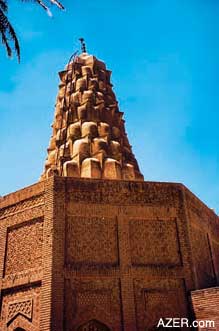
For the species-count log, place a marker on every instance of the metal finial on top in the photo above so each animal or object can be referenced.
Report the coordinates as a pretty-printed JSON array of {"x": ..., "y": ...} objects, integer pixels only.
[{"x": 83, "y": 45}]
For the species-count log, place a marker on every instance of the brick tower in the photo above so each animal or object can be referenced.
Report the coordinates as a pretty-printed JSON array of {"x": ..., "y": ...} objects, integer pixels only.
[
  {"x": 89, "y": 138},
  {"x": 92, "y": 246}
]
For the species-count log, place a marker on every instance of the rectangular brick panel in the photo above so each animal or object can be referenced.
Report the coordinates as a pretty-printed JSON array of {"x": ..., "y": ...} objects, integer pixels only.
[
  {"x": 24, "y": 302},
  {"x": 91, "y": 240},
  {"x": 154, "y": 242},
  {"x": 92, "y": 299},
  {"x": 158, "y": 298},
  {"x": 24, "y": 246}
]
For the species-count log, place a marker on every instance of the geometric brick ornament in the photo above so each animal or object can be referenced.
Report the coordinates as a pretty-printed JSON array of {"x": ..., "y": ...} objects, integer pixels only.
[{"x": 23, "y": 307}]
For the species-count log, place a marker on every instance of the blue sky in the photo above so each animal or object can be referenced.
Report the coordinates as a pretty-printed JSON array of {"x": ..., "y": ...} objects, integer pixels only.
[{"x": 164, "y": 55}]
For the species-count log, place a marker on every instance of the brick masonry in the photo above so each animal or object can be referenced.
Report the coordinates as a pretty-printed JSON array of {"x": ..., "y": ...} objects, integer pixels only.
[
  {"x": 89, "y": 254},
  {"x": 205, "y": 304}
]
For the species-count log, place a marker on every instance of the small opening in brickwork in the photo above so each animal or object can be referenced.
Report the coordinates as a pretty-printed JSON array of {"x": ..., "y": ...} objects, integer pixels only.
[{"x": 93, "y": 325}]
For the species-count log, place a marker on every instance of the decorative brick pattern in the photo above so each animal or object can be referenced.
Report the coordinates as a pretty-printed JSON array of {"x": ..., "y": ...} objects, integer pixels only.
[
  {"x": 154, "y": 242},
  {"x": 23, "y": 303},
  {"x": 21, "y": 278},
  {"x": 23, "y": 307},
  {"x": 24, "y": 194},
  {"x": 114, "y": 255},
  {"x": 24, "y": 205},
  {"x": 99, "y": 298},
  {"x": 91, "y": 241},
  {"x": 157, "y": 299},
  {"x": 23, "y": 216},
  {"x": 166, "y": 300},
  {"x": 123, "y": 193},
  {"x": 24, "y": 247},
  {"x": 89, "y": 299}
]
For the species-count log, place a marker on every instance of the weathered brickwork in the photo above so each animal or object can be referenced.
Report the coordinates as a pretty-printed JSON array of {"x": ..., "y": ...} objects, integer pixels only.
[
  {"x": 22, "y": 206},
  {"x": 88, "y": 299},
  {"x": 85, "y": 246},
  {"x": 21, "y": 238},
  {"x": 204, "y": 234},
  {"x": 24, "y": 247},
  {"x": 21, "y": 308},
  {"x": 205, "y": 306},
  {"x": 202, "y": 258},
  {"x": 84, "y": 254},
  {"x": 215, "y": 255},
  {"x": 156, "y": 298},
  {"x": 154, "y": 242}
]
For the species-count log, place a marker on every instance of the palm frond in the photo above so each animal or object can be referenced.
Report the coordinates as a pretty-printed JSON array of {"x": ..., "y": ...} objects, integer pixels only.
[
  {"x": 13, "y": 36},
  {"x": 44, "y": 6},
  {"x": 8, "y": 34},
  {"x": 4, "y": 5},
  {"x": 7, "y": 46},
  {"x": 57, "y": 3}
]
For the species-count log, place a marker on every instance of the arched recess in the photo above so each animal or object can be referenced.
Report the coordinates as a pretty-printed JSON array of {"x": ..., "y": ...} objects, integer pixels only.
[
  {"x": 20, "y": 323},
  {"x": 93, "y": 325}
]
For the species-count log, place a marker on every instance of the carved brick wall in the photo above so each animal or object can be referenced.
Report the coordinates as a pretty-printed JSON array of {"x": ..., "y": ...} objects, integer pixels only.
[
  {"x": 21, "y": 307},
  {"x": 21, "y": 238},
  {"x": 92, "y": 299},
  {"x": 110, "y": 254},
  {"x": 154, "y": 242},
  {"x": 158, "y": 298},
  {"x": 22, "y": 206},
  {"x": 123, "y": 232},
  {"x": 123, "y": 192},
  {"x": 24, "y": 246},
  {"x": 91, "y": 241}
]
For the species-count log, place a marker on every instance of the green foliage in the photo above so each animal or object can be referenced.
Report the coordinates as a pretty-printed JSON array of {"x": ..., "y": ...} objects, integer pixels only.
[{"x": 7, "y": 33}]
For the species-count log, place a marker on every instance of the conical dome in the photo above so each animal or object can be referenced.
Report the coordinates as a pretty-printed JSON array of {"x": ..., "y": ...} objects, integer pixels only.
[{"x": 89, "y": 138}]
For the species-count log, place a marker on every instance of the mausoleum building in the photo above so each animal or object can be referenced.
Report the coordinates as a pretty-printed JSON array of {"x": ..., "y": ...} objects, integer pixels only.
[{"x": 94, "y": 247}]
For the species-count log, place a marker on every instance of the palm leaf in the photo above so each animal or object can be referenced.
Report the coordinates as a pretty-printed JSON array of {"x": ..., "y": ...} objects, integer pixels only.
[
  {"x": 8, "y": 34},
  {"x": 57, "y": 3},
  {"x": 4, "y": 5},
  {"x": 44, "y": 6},
  {"x": 14, "y": 39},
  {"x": 7, "y": 46}
]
